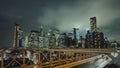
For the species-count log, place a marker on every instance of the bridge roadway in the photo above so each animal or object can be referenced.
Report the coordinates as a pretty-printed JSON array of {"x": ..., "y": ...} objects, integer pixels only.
[{"x": 49, "y": 58}]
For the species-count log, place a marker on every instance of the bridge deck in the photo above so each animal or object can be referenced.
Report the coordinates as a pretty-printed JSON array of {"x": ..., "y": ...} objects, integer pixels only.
[{"x": 73, "y": 64}]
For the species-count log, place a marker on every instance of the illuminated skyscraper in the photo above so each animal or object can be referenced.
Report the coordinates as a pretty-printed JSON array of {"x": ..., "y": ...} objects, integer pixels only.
[
  {"x": 34, "y": 39},
  {"x": 94, "y": 38},
  {"x": 93, "y": 24},
  {"x": 76, "y": 32}
]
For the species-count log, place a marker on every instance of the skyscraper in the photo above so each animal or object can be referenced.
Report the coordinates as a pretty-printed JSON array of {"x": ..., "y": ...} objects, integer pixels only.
[
  {"x": 94, "y": 37},
  {"x": 93, "y": 24},
  {"x": 76, "y": 32},
  {"x": 34, "y": 39}
]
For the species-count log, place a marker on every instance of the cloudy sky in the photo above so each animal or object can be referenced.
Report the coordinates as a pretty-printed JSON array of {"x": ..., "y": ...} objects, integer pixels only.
[{"x": 61, "y": 14}]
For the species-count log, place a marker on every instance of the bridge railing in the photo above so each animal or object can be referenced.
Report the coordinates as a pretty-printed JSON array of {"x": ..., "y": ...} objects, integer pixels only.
[{"x": 42, "y": 58}]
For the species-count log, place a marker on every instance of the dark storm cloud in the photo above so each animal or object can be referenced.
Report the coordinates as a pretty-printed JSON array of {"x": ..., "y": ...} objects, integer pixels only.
[{"x": 61, "y": 14}]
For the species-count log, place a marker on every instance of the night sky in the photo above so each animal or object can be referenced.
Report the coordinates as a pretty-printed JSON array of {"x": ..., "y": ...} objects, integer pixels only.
[{"x": 60, "y": 14}]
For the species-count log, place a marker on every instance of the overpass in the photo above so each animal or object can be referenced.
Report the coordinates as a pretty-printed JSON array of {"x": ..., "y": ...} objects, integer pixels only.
[{"x": 49, "y": 58}]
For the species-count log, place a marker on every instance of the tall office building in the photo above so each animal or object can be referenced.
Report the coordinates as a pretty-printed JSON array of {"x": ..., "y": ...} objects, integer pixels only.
[
  {"x": 93, "y": 24},
  {"x": 88, "y": 40},
  {"x": 18, "y": 37},
  {"x": 33, "y": 39},
  {"x": 76, "y": 33},
  {"x": 94, "y": 38}
]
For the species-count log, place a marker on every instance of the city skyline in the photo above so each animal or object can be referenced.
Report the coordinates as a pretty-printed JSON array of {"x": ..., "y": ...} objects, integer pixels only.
[{"x": 61, "y": 14}]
